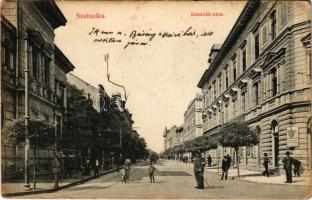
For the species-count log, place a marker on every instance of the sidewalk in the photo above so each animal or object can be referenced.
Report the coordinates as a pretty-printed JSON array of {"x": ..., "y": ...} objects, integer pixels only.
[
  {"x": 16, "y": 187},
  {"x": 255, "y": 176}
]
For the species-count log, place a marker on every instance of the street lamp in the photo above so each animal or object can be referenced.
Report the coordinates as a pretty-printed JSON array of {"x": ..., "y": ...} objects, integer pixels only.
[{"x": 26, "y": 175}]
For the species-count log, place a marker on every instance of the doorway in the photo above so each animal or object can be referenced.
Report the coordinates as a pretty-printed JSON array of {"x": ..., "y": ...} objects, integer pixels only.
[{"x": 275, "y": 134}]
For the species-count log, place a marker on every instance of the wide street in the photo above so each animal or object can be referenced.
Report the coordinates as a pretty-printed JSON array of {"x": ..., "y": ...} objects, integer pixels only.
[{"x": 174, "y": 180}]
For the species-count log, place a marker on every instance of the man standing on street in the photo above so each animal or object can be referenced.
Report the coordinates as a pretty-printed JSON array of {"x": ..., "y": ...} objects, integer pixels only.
[
  {"x": 198, "y": 171},
  {"x": 266, "y": 161},
  {"x": 288, "y": 161},
  {"x": 225, "y": 167},
  {"x": 209, "y": 160},
  {"x": 56, "y": 170}
]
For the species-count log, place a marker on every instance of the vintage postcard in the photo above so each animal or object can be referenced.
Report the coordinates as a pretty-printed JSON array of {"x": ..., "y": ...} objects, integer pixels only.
[{"x": 156, "y": 99}]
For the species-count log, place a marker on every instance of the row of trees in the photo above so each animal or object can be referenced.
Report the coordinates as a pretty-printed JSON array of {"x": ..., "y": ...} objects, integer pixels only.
[
  {"x": 99, "y": 132},
  {"x": 234, "y": 135},
  {"x": 96, "y": 135}
]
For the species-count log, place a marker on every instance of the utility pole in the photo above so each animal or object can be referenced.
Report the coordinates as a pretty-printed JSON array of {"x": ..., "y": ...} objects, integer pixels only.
[{"x": 26, "y": 116}]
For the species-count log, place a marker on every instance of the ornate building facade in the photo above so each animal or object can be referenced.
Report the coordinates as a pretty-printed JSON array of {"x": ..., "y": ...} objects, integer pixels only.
[
  {"x": 193, "y": 126},
  {"x": 262, "y": 75},
  {"x": 27, "y": 41}
]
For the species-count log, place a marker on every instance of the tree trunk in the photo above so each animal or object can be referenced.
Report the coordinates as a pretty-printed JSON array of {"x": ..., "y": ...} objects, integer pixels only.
[
  {"x": 237, "y": 162},
  {"x": 35, "y": 168},
  {"x": 234, "y": 158}
]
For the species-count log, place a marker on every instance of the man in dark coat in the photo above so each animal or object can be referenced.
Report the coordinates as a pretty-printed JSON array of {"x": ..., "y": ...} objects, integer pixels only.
[
  {"x": 288, "y": 162},
  {"x": 225, "y": 167},
  {"x": 57, "y": 170},
  {"x": 198, "y": 171},
  {"x": 266, "y": 162},
  {"x": 209, "y": 160}
]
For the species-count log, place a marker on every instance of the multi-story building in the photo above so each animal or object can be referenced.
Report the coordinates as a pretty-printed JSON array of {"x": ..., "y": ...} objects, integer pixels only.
[
  {"x": 114, "y": 116},
  {"x": 192, "y": 125},
  {"x": 170, "y": 137},
  {"x": 262, "y": 75},
  {"x": 92, "y": 92},
  {"x": 27, "y": 42}
]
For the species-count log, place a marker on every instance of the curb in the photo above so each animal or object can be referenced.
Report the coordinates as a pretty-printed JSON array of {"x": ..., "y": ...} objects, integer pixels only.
[
  {"x": 56, "y": 189},
  {"x": 242, "y": 176}
]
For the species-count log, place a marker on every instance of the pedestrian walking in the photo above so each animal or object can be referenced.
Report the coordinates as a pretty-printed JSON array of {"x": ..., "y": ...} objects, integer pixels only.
[
  {"x": 229, "y": 160},
  {"x": 186, "y": 160},
  {"x": 123, "y": 174},
  {"x": 288, "y": 162},
  {"x": 198, "y": 171},
  {"x": 57, "y": 170},
  {"x": 225, "y": 167},
  {"x": 151, "y": 171},
  {"x": 266, "y": 162},
  {"x": 209, "y": 160},
  {"x": 96, "y": 168},
  {"x": 128, "y": 165},
  {"x": 297, "y": 165}
]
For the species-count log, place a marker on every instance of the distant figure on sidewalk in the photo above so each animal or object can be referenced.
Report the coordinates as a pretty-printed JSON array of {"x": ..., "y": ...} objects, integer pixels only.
[
  {"x": 266, "y": 162},
  {"x": 96, "y": 168},
  {"x": 198, "y": 171},
  {"x": 128, "y": 165},
  {"x": 57, "y": 170},
  {"x": 288, "y": 162},
  {"x": 123, "y": 174},
  {"x": 186, "y": 160},
  {"x": 209, "y": 160},
  {"x": 151, "y": 171},
  {"x": 229, "y": 160},
  {"x": 225, "y": 167},
  {"x": 297, "y": 165}
]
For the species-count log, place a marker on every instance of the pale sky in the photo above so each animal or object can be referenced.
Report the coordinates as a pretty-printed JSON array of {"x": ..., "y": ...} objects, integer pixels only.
[{"x": 161, "y": 78}]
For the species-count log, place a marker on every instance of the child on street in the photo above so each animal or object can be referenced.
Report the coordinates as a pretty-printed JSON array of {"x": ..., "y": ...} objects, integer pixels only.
[{"x": 151, "y": 171}]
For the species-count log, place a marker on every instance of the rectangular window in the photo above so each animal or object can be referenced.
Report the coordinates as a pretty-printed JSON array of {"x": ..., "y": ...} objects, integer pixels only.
[
  {"x": 226, "y": 79},
  {"x": 35, "y": 64},
  {"x": 214, "y": 91},
  {"x": 243, "y": 102},
  {"x": 244, "y": 60},
  {"x": 7, "y": 55},
  {"x": 47, "y": 71},
  {"x": 256, "y": 93},
  {"x": 220, "y": 85},
  {"x": 234, "y": 69},
  {"x": 283, "y": 11},
  {"x": 274, "y": 82},
  {"x": 264, "y": 35},
  {"x": 256, "y": 46},
  {"x": 234, "y": 107},
  {"x": 226, "y": 113},
  {"x": 273, "y": 25}
]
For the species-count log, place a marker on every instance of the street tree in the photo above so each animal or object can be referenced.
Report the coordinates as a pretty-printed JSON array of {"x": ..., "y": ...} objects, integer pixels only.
[
  {"x": 235, "y": 135},
  {"x": 82, "y": 121},
  {"x": 41, "y": 134}
]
